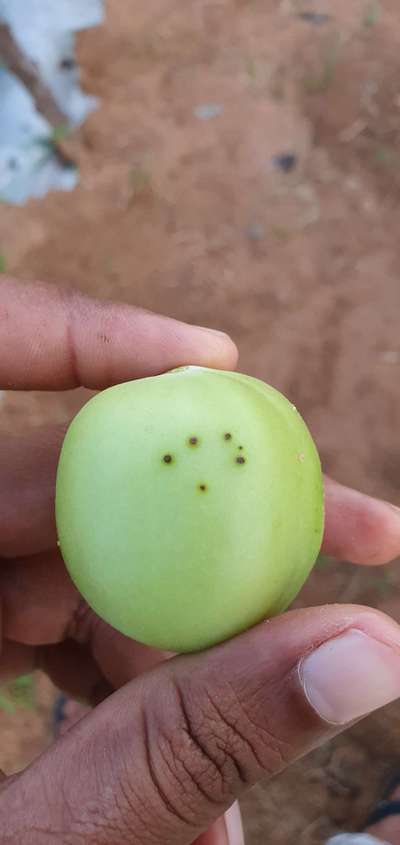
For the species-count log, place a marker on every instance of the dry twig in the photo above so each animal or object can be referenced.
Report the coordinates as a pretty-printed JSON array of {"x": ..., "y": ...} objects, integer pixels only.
[{"x": 26, "y": 70}]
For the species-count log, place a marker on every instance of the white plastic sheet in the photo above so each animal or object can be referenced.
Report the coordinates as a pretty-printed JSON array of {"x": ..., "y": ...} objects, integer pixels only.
[{"x": 44, "y": 30}]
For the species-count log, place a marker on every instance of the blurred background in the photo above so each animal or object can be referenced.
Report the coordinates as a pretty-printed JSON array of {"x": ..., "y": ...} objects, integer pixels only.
[{"x": 242, "y": 171}]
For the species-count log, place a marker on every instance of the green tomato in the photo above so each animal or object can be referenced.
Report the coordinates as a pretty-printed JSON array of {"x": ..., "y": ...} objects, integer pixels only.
[{"x": 189, "y": 506}]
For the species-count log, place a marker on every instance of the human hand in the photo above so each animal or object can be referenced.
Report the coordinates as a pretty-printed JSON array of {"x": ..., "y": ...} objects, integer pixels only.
[{"x": 161, "y": 759}]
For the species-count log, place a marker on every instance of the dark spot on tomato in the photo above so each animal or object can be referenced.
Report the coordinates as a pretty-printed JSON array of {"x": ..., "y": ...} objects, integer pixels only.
[
  {"x": 167, "y": 459},
  {"x": 193, "y": 441},
  {"x": 203, "y": 487},
  {"x": 240, "y": 460},
  {"x": 227, "y": 436}
]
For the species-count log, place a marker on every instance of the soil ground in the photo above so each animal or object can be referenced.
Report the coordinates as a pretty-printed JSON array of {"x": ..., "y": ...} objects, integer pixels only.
[{"x": 184, "y": 207}]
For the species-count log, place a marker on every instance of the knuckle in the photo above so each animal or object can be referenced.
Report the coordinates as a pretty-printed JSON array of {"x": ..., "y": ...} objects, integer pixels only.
[
  {"x": 209, "y": 745},
  {"x": 248, "y": 736},
  {"x": 240, "y": 737}
]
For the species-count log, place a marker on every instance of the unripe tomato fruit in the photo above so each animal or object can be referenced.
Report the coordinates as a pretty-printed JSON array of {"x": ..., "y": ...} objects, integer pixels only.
[{"x": 189, "y": 506}]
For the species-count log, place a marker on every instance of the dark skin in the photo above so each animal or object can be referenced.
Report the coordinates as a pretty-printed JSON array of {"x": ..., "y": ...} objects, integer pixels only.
[{"x": 170, "y": 743}]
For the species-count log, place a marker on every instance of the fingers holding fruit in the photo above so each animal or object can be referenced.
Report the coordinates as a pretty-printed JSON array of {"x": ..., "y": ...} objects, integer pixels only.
[{"x": 189, "y": 507}]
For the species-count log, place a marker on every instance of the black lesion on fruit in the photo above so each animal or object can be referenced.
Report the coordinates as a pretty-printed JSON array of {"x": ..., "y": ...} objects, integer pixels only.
[
  {"x": 240, "y": 448},
  {"x": 193, "y": 441},
  {"x": 240, "y": 459},
  {"x": 227, "y": 436},
  {"x": 168, "y": 459},
  {"x": 203, "y": 488}
]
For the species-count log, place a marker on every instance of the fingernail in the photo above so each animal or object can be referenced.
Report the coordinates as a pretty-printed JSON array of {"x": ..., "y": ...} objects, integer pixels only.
[
  {"x": 218, "y": 349},
  {"x": 215, "y": 332},
  {"x": 234, "y": 826},
  {"x": 350, "y": 676}
]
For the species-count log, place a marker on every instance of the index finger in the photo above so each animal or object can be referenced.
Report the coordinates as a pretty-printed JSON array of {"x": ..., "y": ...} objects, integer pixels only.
[{"x": 57, "y": 339}]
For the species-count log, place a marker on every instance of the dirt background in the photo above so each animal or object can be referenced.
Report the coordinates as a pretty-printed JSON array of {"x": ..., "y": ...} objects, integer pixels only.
[{"x": 184, "y": 208}]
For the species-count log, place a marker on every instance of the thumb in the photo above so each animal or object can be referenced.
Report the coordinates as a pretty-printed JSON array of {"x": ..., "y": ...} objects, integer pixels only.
[{"x": 166, "y": 755}]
